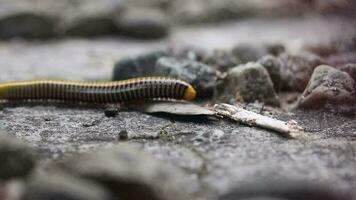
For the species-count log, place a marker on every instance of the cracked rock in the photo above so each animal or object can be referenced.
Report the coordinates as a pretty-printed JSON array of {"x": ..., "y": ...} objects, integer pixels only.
[
  {"x": 248, "y": 83},
  {"x": 129, "y": 174},
  {"x": 328, "y": 85},
  {"x": 16, "y": 159}
]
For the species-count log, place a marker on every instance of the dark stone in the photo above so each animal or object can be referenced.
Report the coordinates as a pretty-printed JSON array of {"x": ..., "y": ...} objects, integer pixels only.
[
  {"x": 200, "y": 75},
  {"x": 129, "y": 174},
  {"x": 328, "y": 86},
  {"x": 247, "y": 83},
  {"x": 123, "y": 135},
  {"x": 143, "y": 24},
  {"x": 143, "y": 65},
  {"x": 296, "y": 70},
  {"x": 90, "y": 18},
  {"x": 16, "y": 159},
  {"x": 273, "y": 66},
  {"x": 111, "y": 112},
  {"x": 61, "y": 186},
  {"x": 27, "y": 25}
]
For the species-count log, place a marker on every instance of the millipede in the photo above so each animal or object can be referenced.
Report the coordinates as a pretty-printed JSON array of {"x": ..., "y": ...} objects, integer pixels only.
[{"x": 136, "y": 89}]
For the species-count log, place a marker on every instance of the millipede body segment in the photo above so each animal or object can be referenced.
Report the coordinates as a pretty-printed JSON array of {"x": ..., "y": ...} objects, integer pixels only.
[{"x": 148, "y": 88}]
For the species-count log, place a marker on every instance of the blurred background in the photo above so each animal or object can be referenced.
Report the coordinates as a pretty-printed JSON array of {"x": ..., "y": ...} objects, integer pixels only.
[{"x": 60, "y": 36}]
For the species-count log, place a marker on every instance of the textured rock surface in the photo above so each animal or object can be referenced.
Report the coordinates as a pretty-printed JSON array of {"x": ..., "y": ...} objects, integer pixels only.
[
  {"x": 200, "y": 75},
  {"x": 130, "y": 174},
  {"x": 296, "y": 70},
  {"x": 16, "y": 159},
  {"x": 273, "y": 66},
  {"x": 247, "y": 83},
  {"x": 328, "y": 86},
  {"x": 59, "y": 185},
  {"x": 221, "y": 60}
]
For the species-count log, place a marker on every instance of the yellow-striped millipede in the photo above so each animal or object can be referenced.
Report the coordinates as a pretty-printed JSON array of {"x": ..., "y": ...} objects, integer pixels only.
[{"x": 147, "y": 88}]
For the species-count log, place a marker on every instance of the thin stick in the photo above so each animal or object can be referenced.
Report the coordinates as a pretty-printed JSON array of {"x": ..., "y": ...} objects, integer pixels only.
[{"x": 253, "y": 119}]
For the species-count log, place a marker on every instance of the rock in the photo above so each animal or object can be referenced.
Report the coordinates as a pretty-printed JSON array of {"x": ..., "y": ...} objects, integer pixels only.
[
  {"x": 328, "y": 86},
  {"x": 22, "y": 19},
  {"x": 91, "y": 18},
  {"x": 275, "y": 48},
  {"x": 221, "y": 60},
  {"x": 350, "y": 69},
  {"x": 129, "y": 174},
  {"x": 200, "y": 75},
  {"x": 341, "y": 59},
  {"x": 273, "y": 66},
  {"x": 248, "y": 83},
  {"x": 297, "y": 69},
  {"x": 143, "y": 65},
  {"x": 63, "y": 186},
  {"x": 111, "y": 111},
  {"x": 16, "y": 159},
  {"x": 143, "y": 24}
]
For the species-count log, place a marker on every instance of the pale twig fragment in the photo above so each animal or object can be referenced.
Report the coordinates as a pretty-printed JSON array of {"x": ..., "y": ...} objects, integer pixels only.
[{"x": 253, "y": 119}]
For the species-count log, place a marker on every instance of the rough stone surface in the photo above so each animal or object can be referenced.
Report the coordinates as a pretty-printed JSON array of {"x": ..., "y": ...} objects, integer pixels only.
[
  {"x": 296, "y": 70},
  {"x": 59, "y": 185},
  {"x": 129, "y": 174},
  {"x": 200, "y": 75},
  {"x": 142, "y": 24},
  {"x": 16, "y": 159},
  {"x": 328, "y": 86},
  {"x": 273, "y": 66},
  {"x": 247, "y": 83}
]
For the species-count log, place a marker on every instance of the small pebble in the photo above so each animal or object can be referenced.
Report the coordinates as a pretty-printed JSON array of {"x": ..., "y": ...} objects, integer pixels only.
[
  {"x": 123, "y": 134},
  {"x": 247, "y": 83},
  {"x": 111, "y": 112}
]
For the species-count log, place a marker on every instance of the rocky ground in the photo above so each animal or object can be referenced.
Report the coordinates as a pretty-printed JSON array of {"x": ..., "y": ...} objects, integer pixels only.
[{"x": 300, "y": 69}]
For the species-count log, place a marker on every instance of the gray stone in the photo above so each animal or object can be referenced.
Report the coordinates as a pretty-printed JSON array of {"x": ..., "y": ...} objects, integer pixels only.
[
  {"x": 350, "y": 69},
  {"x": 143, "y": 24},
  {"x": 221, "y": 60},
  {"x": 273, "y": 66},
  {"x": 16, "y": 159},
  {"x": 129, "y": 174},
  {"x": 61, "y": 186},
  {"x": 143, "y": 65},
  {"x": 247, "y": 83},
  {"x": 296, "y": 70},
  {"x": 200, "y": 75},
  {"x": 25, "y": 20},
  {"x": 90, "y": 18},
  {"x": 328, "y": 86}
]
